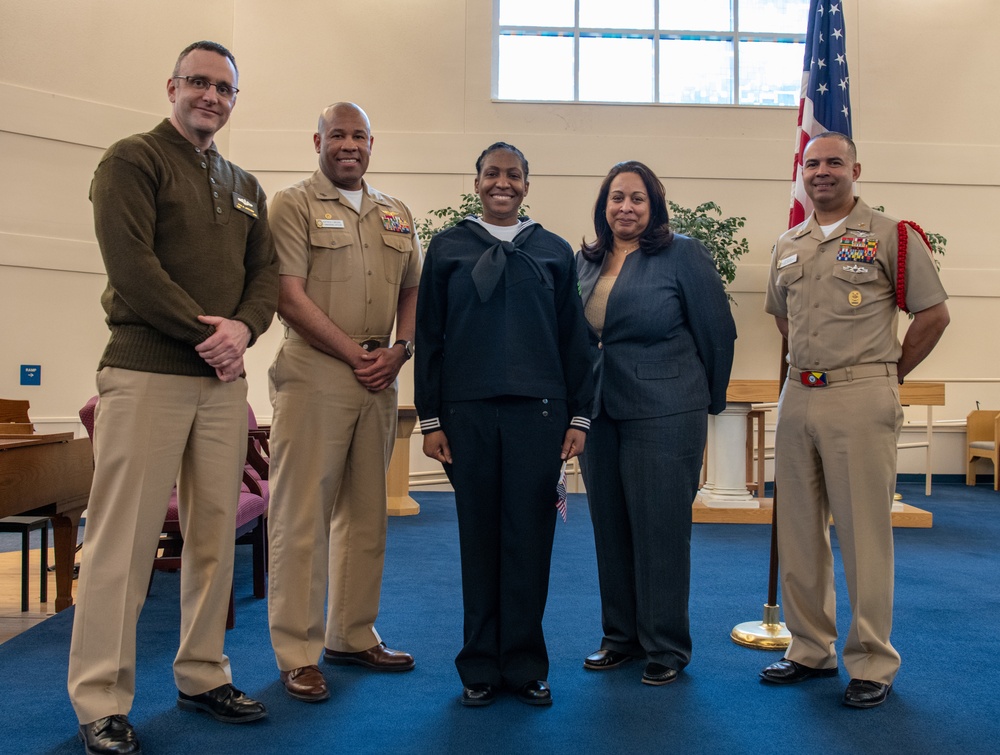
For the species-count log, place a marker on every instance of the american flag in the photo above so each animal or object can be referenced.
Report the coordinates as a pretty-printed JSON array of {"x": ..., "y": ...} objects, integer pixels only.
[
  {"x": 561, "y": 492},
  {"x": 825, "y": 103}
]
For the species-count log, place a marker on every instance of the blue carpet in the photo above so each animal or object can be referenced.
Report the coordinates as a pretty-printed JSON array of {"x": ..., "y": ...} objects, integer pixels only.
[{"x": 944, "y": 701}]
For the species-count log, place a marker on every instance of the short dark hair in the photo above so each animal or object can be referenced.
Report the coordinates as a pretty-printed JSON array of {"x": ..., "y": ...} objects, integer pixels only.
[
  {"x": 658, "y": 234},
  {"x": 852, "y": 149},
  {"x": 204, "y": 45},
  {"x": 504, "y": 146}
]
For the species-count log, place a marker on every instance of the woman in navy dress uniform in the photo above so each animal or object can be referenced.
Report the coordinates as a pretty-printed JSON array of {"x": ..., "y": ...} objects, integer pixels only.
[
  {"x": 504, "y": 391},
  {"x": 661, "y": 342}
]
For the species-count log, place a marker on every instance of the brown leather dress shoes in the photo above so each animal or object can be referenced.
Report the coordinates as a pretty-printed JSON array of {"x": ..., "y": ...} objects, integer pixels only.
[
  {"x": 111, "y": 735},
  {"x": 378, "y": 658},
  {"x": 306, "y": 683}
]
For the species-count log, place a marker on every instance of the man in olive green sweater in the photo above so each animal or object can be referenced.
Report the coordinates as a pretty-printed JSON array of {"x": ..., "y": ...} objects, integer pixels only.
[{"x": 192, "y": 282}]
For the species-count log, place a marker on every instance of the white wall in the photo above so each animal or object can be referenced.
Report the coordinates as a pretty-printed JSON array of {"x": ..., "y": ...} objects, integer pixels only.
[{"x": 75, "y": 76}]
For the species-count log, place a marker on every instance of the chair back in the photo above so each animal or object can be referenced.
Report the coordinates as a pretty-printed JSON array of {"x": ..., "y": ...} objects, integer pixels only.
[
  {"x": 14, "y": 417},
  {"x": 981, "y": 426},
  {"x": 87, "y": 416}
]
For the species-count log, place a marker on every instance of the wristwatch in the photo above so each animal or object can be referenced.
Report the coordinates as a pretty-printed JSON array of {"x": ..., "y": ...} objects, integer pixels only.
[{"x": 407, "y": 347}]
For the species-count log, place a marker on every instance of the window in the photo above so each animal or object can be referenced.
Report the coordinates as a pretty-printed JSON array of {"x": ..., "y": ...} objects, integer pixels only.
[{"x": 725, "y": 52}]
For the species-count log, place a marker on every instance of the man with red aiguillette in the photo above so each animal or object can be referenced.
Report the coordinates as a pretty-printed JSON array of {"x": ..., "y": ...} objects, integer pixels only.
[{"x": 836, "y": 284}]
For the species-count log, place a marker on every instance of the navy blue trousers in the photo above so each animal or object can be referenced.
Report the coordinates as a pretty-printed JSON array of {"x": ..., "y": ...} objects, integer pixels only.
[{"x": 505, "y": 468}]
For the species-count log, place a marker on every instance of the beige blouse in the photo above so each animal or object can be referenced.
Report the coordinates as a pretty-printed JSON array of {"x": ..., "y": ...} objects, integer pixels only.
[{"x": 597, "y": 305}]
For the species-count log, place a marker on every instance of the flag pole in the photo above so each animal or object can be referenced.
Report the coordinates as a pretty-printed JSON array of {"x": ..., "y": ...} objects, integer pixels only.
[
  {"x": 824, "y": 105},
  {"x": 769, "y": 633}
]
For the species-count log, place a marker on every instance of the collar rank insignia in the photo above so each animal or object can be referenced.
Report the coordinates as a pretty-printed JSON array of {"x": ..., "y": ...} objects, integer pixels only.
[
  {"x": 857, "y": 249},
  {"x": 392, "y": 221}
]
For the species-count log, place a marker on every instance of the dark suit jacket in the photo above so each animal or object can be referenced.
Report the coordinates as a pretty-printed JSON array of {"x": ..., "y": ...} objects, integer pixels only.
[{"x": 667, "y": 343}]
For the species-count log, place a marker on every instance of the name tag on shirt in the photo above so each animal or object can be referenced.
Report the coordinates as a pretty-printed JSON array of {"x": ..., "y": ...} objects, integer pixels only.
[
  {"x": 243, "y": 204},
  {"x": 788, "y": 261},
  {"x": 327, "y": 223}
]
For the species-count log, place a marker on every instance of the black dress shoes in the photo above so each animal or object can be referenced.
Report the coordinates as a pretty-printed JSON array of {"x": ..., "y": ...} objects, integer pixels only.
[
  {"x": 535, "y": 692},
  {"x": 225, "y": 703},
  {"x": 862, "y": 693},
  {"x": 477, "y": 695},
  {"x": 786, "y": 671},
  {"x": 657, "y": 674},
  {"x": 111, "y": 735},
  {"x": 605, "y": 659}
]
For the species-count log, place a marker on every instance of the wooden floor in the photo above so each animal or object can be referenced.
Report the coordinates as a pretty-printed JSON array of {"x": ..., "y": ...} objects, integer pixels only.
[{"x": 12, "y": 620}]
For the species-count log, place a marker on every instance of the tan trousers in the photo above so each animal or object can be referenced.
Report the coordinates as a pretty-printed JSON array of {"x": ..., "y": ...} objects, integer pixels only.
[
  {"x": 331, "y": 440},
  {"x": 835, "y": 453},
  {"x": 151, "y": 431}
]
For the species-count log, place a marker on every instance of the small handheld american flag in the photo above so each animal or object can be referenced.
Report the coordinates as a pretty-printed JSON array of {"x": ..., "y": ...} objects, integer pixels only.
[{"x": 561, "y": 492}]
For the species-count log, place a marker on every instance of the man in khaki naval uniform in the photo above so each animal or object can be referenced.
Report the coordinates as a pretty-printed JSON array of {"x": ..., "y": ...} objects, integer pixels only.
[
  {"x": 832, "y": 291},
  {"x": 350, "y": 265}
]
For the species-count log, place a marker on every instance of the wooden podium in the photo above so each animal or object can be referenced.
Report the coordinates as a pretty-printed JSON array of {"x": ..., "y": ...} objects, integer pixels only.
[
  {"x": 725, "y": 499},
  {"x": 49, "y": 475},
  {"x": 398, "y": 477}
]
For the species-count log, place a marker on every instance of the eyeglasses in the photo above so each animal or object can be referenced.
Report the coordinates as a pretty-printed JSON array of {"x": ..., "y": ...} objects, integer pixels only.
[{"x": 201, "y": 84}]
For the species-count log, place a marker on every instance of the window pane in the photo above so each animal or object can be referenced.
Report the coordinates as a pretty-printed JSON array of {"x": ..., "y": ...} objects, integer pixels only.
[
  {"x": 696, "y": 71},
  {"x": 775, "y": 16},
  {"x": 771, "y": 73},
  {"x": 620, "y": 14},
  {"x": 536, "y": 12},
  {"x": 535, "y": 67},
  {"x": 616, "y": 69},
  {"x": 697, "y": 15}
]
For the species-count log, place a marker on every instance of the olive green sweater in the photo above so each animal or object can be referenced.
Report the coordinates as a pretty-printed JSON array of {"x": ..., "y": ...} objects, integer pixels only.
[{"x": 183, "y": 233}]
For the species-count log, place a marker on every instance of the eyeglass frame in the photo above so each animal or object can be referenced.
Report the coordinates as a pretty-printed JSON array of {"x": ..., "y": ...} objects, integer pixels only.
[{"x": 209, "y": 84}]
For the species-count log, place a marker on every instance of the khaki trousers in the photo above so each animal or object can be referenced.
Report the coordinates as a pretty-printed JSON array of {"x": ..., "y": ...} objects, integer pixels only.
[
  {"x": 331, "y": 440},
  {"x": 835, "y": 453},
  {"x": 150, "y": 431}
]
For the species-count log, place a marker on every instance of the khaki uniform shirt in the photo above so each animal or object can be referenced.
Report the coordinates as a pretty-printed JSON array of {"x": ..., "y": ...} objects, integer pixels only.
[
  {"x": 839, "y": 293},
  {"x": 354, "y": 263}
]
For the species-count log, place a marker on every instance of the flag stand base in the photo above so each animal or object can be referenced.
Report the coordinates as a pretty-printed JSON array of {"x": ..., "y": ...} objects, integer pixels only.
[{"x": 769, "y": 634}]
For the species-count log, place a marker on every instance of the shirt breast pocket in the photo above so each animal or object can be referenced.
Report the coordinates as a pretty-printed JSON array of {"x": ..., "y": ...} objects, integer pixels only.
[
  {"x": 396, "y": 255},
  {"x": 789, "y": 279},
  {"x": 859, "y": 288},
  {"x": 329, "y": 254}
]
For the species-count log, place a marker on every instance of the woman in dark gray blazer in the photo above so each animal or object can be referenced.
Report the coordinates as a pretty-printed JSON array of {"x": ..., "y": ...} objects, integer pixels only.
[{"x": 661, "y": 344}]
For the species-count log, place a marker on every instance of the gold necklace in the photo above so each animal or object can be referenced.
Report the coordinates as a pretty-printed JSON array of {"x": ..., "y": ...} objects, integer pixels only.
[{"x": 627, "y": 252}]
